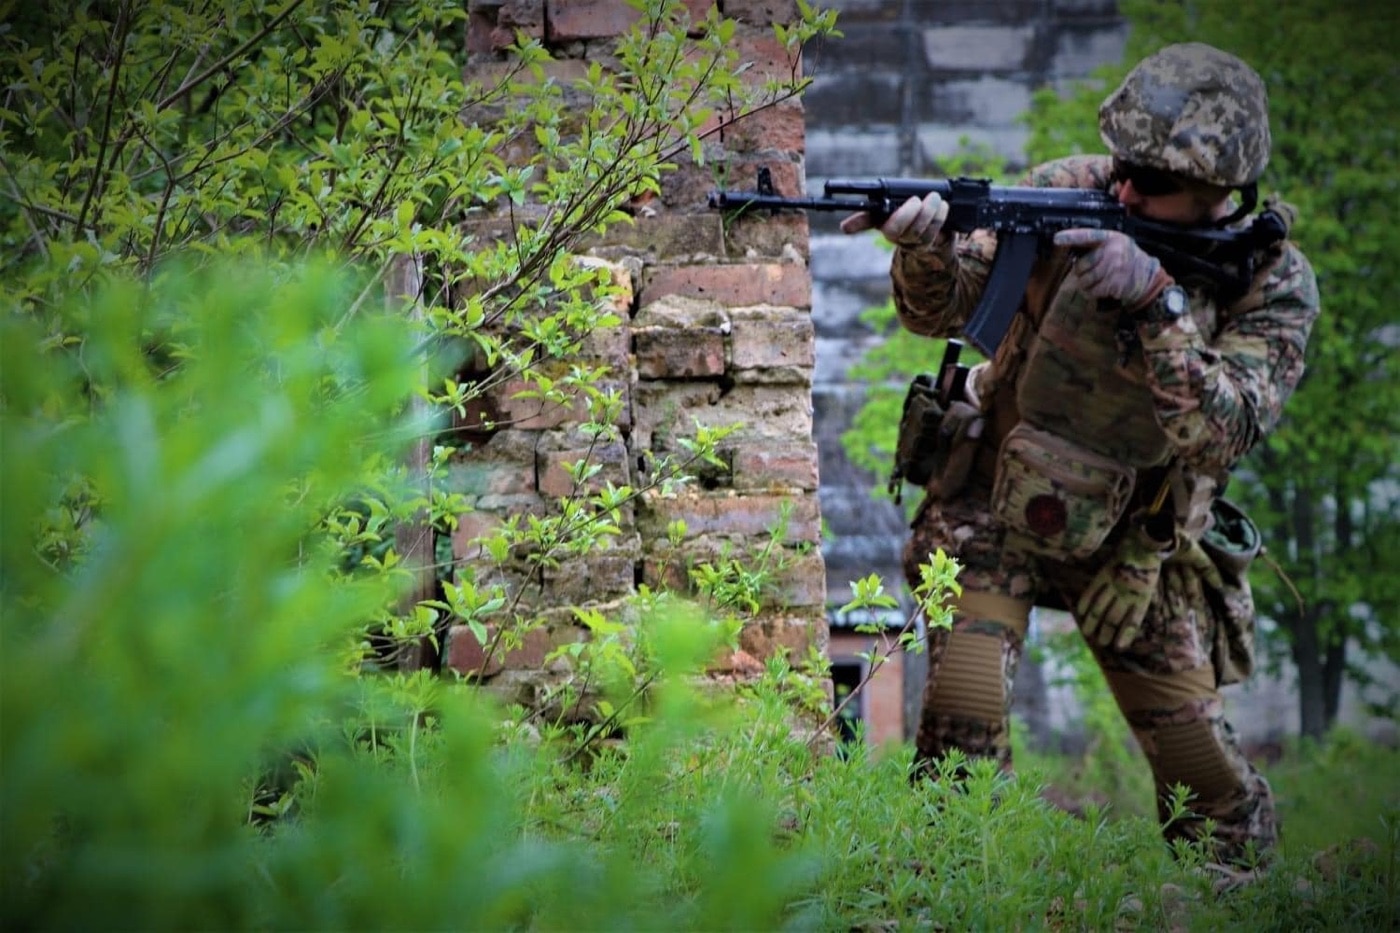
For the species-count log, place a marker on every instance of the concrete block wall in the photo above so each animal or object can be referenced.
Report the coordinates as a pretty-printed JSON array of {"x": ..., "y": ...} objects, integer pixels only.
[
  {"x": 909, "y": 87},
  {"x": 716, "y": 330}
]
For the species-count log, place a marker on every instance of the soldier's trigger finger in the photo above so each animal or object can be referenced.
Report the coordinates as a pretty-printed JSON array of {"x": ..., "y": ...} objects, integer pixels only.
[{"x": 856, "y": 223}]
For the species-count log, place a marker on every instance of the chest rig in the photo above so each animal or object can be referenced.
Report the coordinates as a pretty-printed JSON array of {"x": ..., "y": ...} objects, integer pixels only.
[{"x": 1086, "y": 443}]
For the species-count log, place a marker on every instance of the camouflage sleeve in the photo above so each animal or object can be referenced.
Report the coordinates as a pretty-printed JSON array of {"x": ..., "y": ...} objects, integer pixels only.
[
  {"x": 1217, "y": 399},
  {"x": 936, "y": 289}
]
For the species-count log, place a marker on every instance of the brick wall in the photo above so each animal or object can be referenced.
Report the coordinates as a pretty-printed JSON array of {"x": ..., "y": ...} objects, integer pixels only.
[{"x": 716, "y": 329}]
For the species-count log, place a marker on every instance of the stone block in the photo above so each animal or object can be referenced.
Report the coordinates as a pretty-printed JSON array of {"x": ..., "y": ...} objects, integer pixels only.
[
  {"x": 1079, "y": 50},
  {"x": 663, "y": 410},
  {"x": 801, "y": 584},
  {"x": 492, "y": 27},
  {"x": 763, "y": 56},
  {"x": 683, "y": 312},
  {"x": 979, "y": 48},
  {"x": 983, "y": 101},
  {"x": 600, "y": 575},
  {"x": 940, "y": 143},
  {"x": 855, "y": 98},
  {"x": 875, "y": 150},
  {"x": 521, "y": 406},
  {"x": 475, "y": 475}
]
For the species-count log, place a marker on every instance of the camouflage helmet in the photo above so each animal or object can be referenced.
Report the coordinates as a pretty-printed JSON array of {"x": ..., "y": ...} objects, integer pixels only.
[{"x": 1192, "y": 110}]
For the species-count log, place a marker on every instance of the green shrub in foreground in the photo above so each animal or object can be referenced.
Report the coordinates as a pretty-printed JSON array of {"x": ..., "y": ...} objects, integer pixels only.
[{"x": 183, "y": 745}]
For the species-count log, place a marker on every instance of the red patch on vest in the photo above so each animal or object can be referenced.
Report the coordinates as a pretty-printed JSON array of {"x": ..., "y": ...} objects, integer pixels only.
[{"x": 1045, "y": 515}]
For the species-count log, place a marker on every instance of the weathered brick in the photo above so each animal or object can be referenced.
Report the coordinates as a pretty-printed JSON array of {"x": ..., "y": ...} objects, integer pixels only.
[
  {"x": 761, "y": 12},
  {"x": 601, "y": 575},
  {"x": 766, "y": 337},
  {"x": 683, "y": 312},
  {"x": 666, "y": 236},
  {"x": 765, "y": 56},
  {"x": 779, "y": 128},
  {"x": 492, "y": 26},
  {"x": 775, "y": 466},
  {"x": 672, "y": 353},
  {"x": 801, "y": 584},
  {"x": 555, "y": 480},
  {"x": 471, "y": 528},
  {"x": 667, "y": 409},
  {"x": 793, "y": 635},
  {"x": 764, "y": 235},
  {"x": 530, "y": 412},
  {"x": 488, "y": 475},
  {"x": 729, "y": 515},
  {"x": 735, "y": 285},
  {"x": 466, "y": 655},
  {"x": 569, "y": 20}
]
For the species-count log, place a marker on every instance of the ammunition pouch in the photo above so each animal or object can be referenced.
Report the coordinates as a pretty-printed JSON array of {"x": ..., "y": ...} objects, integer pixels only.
[
  {"x": 937, "y": 441},
  {"x": 1232, "y": 543},
  {"x": 1056, "y": 498}
]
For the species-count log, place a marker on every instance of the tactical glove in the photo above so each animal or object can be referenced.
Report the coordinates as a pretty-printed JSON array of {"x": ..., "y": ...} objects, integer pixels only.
[
  {"x": 915, "y": 223},
  {"x": 1111, "y": 265},
  {"x": 1111, "y": 608}
]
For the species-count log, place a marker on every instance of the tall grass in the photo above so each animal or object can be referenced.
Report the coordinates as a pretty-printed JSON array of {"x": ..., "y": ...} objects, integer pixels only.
[{"x": 183, "y": 744}]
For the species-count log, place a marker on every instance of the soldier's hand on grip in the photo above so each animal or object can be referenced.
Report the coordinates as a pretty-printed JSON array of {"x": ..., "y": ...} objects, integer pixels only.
[
  {"x": 914, "y": 223},
  {"x": 1111, "y": 265}
]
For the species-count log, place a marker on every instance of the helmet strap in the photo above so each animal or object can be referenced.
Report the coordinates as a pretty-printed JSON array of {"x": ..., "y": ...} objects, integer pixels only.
[{"x": 1249, "y": 199}]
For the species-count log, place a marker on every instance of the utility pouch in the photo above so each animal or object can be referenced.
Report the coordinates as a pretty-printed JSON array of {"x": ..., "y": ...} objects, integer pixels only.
[
  {"x": 937, "y": 442},
  {"x": 918, "y": 432},
  {"x": 1056, "y": 498},
  {"x": 1232, "y": 542}
]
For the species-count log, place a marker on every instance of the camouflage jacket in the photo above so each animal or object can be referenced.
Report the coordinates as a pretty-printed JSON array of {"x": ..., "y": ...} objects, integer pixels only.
[{"x": 1215, "y": 381}]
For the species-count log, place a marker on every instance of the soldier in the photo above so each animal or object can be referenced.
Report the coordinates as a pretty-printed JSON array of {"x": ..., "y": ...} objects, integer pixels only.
[{"x": 1102, "y": 433}]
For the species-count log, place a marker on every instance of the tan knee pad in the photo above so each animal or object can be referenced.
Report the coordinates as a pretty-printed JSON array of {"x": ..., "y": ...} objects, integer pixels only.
[
  {"x": 970, "y": 680},
  {"x": 1191, "y": 754},
  {"x": 1188, "y": 753}
]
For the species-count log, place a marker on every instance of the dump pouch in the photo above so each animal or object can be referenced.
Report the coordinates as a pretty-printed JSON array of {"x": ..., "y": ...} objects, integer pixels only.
[
  {"x": 937, "y": 441},
  {"x": 1056, "y": 498},
  {"x": 1232, "y": 542}
]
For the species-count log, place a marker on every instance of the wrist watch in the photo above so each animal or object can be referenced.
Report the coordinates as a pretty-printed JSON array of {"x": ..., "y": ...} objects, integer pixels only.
[{"x": 1169, "y": 306}]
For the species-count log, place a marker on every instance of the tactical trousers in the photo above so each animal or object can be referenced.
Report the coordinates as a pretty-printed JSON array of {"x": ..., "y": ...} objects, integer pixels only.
[{"x": 1163, "y": 682}]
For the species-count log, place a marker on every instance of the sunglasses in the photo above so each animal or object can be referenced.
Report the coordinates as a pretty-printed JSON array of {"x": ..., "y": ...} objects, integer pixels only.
[{"x": 1148, "y": 182}]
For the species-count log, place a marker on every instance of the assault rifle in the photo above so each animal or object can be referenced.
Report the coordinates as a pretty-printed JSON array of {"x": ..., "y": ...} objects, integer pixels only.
[{"x": 1026, "y": 220}]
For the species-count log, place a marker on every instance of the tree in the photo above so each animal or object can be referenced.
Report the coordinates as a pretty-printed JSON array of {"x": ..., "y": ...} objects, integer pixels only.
[{"x": 1323, "y": 487}]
